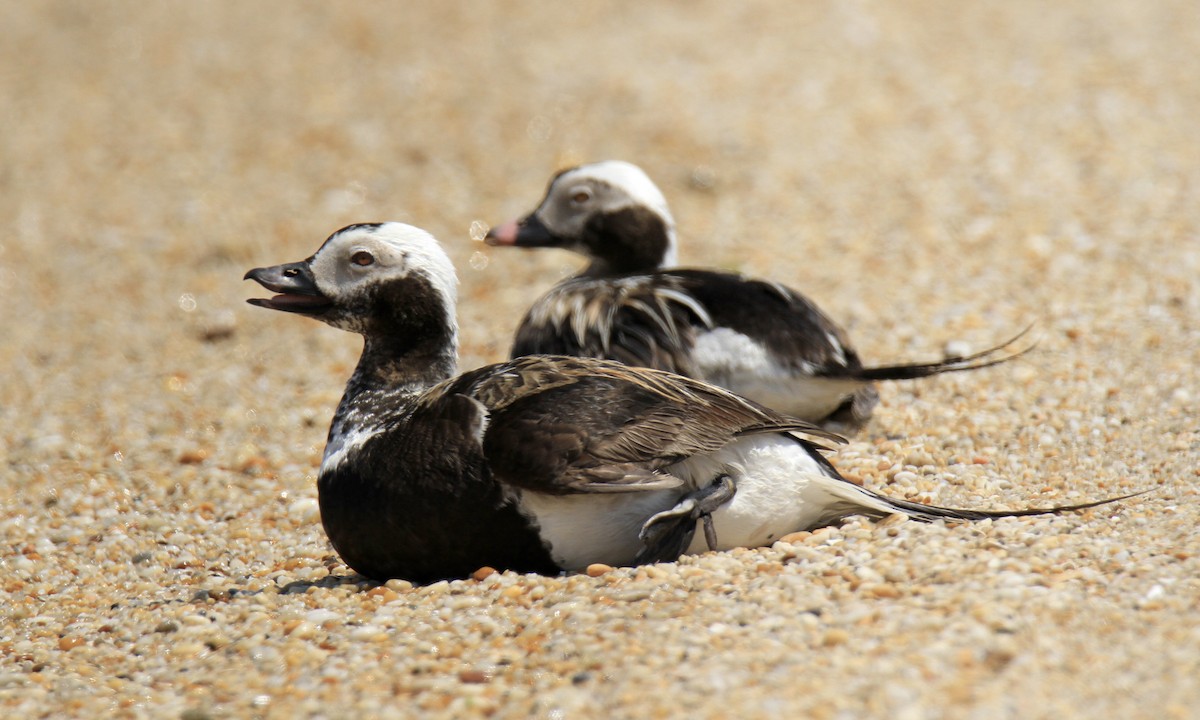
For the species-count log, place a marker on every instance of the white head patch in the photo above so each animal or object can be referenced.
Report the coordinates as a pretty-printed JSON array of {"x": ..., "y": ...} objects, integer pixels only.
[
  {"x": 603, "y": 187},
  {"x": 366, "y": 254},
  {"x": 627, "y": 177}
]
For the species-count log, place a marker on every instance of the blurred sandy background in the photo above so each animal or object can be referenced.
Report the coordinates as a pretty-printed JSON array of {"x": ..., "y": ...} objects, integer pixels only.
[{"x": 930, "y": 172}]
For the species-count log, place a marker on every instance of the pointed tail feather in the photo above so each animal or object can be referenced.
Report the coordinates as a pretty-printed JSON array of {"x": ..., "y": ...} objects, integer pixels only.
[
  {"x": 930, "y": 513},
  {"x": 845, "y": 499},
  {"x": 975, "y": 361}
]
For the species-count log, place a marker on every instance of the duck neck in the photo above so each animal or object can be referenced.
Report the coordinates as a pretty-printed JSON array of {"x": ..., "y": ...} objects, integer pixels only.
[
  {"x": 628, "y": 241},
  {"x": 388, "y": 381},
  {"x": 395, "y": 366}
]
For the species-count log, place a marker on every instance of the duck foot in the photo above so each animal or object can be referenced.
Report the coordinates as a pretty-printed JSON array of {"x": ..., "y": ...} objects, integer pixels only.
[{"x": 667, "y": 534}]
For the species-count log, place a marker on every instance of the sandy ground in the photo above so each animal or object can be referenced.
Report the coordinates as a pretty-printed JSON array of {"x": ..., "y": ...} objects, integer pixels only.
[{"x": 930, "y": 172}]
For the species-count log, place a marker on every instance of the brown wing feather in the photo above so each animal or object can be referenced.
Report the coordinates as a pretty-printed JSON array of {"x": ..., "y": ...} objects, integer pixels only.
[{"x": 566, "y": 425}]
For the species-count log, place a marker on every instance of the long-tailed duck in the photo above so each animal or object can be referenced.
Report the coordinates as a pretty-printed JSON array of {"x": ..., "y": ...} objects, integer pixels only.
[
  {"x": 757, "y": 338},
  {"x": 540, "y": 463}
]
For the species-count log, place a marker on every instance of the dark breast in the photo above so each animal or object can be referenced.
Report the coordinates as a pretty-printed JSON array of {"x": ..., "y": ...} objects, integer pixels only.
[{"x": 417, "y": 502}]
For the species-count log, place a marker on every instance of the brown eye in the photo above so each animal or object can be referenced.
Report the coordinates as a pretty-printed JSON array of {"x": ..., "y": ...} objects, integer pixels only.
[
  {"x": 362, "y": 258},
  {"x": 581, "y": 196}
]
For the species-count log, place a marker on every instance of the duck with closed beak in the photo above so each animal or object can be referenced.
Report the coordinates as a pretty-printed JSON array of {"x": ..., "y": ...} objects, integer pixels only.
[{"x": 630, "y": 303}]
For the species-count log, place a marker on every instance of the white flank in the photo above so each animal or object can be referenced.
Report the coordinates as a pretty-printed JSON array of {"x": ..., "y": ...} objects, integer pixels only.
[
  {"x": 778, "y": 490},
  {"x": 590, "y": 528},
  {"x": 734, "y": 361},
  {"x": 781, "y": 488}
]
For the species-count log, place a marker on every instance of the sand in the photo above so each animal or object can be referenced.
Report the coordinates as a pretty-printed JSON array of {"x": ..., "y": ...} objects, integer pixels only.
[{"x": 935, "y": 174}]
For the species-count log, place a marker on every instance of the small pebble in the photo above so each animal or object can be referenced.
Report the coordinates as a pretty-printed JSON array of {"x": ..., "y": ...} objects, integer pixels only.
[
  {"x": 304, "y": 510},
  {"x": 631, "y": 595},
  {"x": 301, "y": 629},
  {"x": 368, "y": 633},
  {"x": 399, "y": 586},
  {"x": 580, "y": 678},
  {"x": 918, "y": 458},
  {"x": 954, "y": 349},
  {"x": 384, "y": 593},
  {"x": 598, "y": 569},
  {"x": 193, "y": 457},
  {"x": 321, "y": 616},
  {"x": 796, "y": 537},
  {"x": 70, "y": 643},
  {"x": 475, "y": 676},
  {"x": 187, "y": 649}
]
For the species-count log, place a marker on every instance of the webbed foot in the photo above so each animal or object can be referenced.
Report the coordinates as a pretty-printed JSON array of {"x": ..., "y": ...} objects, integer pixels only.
[{"x": 667, "y": 534}]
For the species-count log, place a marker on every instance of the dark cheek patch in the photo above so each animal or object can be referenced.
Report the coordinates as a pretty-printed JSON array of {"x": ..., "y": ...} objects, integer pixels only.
[
  {"x": 415, "y": 311},
  {"x": 632, "y": 239}
]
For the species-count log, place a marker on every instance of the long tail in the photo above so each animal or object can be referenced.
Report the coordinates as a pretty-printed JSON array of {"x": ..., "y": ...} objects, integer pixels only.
[
  {"x": 975, "y": 361},
  {"x": 845, "y": 499}
]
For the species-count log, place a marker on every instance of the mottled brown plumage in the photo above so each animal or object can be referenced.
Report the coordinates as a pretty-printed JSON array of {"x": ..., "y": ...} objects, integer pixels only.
[{"x": 563, "y": 424}]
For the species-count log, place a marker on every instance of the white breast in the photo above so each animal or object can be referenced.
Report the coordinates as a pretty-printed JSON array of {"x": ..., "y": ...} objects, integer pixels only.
[{"x": 343, "y": 442}]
